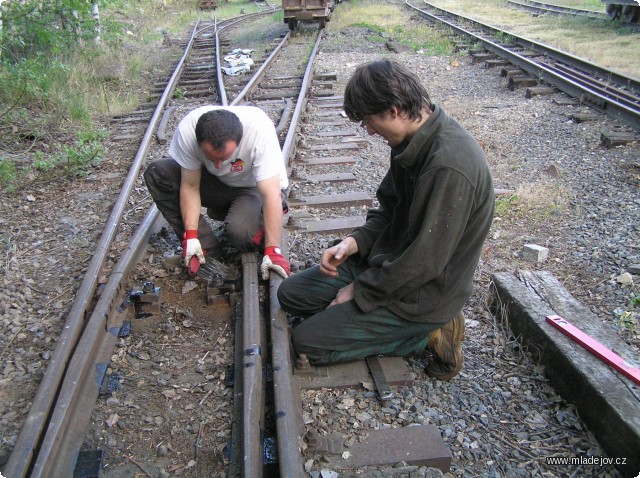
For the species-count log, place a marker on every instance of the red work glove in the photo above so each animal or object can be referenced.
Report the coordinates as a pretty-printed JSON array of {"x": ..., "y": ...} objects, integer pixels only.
[
  {"x": 192, "y": 250},
  {"x": 275, "y": 261}
]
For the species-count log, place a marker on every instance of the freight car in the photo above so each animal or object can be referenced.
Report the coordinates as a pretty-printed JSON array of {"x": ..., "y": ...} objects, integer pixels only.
[
  {"x": 627, "y": 10},
  {"x": 296, "y": 11}
]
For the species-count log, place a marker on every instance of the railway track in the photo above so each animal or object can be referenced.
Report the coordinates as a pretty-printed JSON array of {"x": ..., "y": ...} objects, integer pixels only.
[
  {"x": 542, "y": 69},
  {"x": 159, "y": 359},
  {"x": 62, "y": 406},
  {"x": 541, "y": 8}
]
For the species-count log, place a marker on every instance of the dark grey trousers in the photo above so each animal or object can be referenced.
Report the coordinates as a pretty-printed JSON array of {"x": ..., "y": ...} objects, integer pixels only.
[
  {"x": 239, "y": 208},
  {"x": 343, "y": 332}
]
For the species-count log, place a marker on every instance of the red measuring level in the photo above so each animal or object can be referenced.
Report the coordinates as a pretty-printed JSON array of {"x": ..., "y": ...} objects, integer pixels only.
[{"x": 595, "y": 347}]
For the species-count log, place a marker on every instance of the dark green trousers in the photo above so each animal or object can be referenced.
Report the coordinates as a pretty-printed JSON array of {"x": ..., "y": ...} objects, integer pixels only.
[{"x": 343, "y": 332}]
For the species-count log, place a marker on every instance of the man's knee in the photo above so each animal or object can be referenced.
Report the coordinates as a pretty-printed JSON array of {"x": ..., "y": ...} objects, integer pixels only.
[
  {"x": 239, "y": 239},
  {"x": 162, "y": 175},
  {"x": 149, "y": 174},
  {"x": 241, "y": 230},
  {"x": 284, "y": 294},
  {"x": 303, "y": 343}
]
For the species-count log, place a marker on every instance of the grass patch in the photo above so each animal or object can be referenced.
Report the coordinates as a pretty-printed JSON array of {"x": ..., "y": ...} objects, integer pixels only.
[
  {"x": 541, "y": 200},
  {"x": 67, "y": 93},
  {"x": 387, "y": 21},
  {"x": 604, "y": 42},
  {"x": 629, "y": 318}
]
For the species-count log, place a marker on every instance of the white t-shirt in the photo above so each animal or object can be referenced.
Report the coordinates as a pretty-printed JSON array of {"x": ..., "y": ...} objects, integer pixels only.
[{"x": 257, "y": 157}]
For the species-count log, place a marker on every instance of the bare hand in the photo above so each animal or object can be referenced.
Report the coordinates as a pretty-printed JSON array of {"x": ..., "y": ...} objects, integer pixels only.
[
  {"x": 336, "y": 255},
  {"x": 344, "y": 295}
]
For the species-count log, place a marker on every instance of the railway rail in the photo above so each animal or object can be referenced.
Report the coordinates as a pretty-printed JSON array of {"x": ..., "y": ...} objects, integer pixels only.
[
  {"x": 604, "y": 90},
  {"x": 614, "y": 11},
  {"x": 49, "y": 441},
  {"x": 545, "y": 8},
  {"x": 54, "y": 432}
]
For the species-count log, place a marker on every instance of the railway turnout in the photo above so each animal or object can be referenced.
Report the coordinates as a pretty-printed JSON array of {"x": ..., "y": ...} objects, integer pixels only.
[{"x": 265, "y": 409}]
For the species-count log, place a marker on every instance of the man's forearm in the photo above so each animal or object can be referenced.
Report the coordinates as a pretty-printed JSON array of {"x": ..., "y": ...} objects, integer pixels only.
[
  {"x": 272, "y": 224},
  {"x": 190, "y": 208},
  {"x": 269, "y": 190}
]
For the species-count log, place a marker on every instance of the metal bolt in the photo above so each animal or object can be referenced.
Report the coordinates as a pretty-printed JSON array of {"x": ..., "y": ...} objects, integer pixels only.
[{"x": 302, "y": 363}]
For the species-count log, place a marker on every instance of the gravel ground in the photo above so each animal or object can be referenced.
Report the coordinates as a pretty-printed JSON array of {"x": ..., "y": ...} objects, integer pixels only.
[{"x": 499, "y": 417}]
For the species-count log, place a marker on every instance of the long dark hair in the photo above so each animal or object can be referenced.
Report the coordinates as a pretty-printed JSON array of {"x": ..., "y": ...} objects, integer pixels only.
[{"x": 380, "y": 85}]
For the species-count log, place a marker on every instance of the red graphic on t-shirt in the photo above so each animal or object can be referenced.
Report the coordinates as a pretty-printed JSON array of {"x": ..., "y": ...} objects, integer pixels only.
[{"x": 237, "y": 166}]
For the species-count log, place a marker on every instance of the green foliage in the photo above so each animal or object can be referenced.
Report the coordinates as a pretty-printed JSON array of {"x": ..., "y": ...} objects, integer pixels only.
[
  {"x": 74, "y": 159},
  {"x": 505, "y": 205},
  {"x": 8, "y": 175},
  {"x": 504, "y": 38},
  {"x": 86, "y": 151},
  {"x": 629, "y": 321},
  {"x": 43, "y": 163},
  {"x": 44, "y": 27},
  {"x": 178, "y": 93},
  {"x": 29, "y": 81}
]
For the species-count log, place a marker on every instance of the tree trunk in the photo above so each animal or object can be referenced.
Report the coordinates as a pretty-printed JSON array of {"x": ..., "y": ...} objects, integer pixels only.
[{"x": 96, "y": 19}]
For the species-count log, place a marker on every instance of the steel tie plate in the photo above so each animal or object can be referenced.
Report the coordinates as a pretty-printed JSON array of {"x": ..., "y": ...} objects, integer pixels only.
[{"x": 384, "y": 390}]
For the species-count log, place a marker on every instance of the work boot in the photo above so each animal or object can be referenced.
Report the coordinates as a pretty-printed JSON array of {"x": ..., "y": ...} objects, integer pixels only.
[{"x": 446, "y": 345}]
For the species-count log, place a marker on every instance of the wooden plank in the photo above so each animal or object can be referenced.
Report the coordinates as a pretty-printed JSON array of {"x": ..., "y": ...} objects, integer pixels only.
[
  {"x": 326, "y": 75},
  {"x": 610, "y": 139},
  {"x": 511, "y": 72},
  {"x": 337, "y": 132},
  {"x": 333, "y": 200},
  {"x": 332, "y": 147},
  {"x": 420, "y": 445},
  {"x": 566, "y": 101},
  {"x": 320, "y": 143},
  {"x": 352, "y": 374},
  {"x": 605, "y": 399},
  {"x": 333, "y": 225},
  {"x": 521, "y": 82},
  {"x": 332, "y": 177},
  {"x": 583, "y": 117},
  {"x": 477, "y": 57},
  {"x": 540, "y": 91},
  {"x": 494, "y": 63},
  {"x": 281, "y": 86},
  {"x": 328, "y": 160},
  {"x": 317, "y": 104},
  {"x": 277, "y": 78},
  {"x": 322, "y": 94},
  {"x": 333, "y": 98},
  {"x": 324, "y": 84},
  {"x": 275, "y": 95},
  {"x": 332, "y": 123}
]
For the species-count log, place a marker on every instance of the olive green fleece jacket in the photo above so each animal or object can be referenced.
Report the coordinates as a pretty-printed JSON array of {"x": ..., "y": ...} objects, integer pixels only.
[{"x": 423, "y": 243}]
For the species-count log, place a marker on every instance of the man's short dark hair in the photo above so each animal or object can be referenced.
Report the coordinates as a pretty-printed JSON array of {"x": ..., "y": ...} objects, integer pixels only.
[
  {"x": 217, "y": 127},
  {"x": 378, "y": 86}
]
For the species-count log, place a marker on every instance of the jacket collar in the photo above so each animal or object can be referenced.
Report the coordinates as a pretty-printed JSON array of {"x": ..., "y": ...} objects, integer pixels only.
[{"x": 406, "y": 153}]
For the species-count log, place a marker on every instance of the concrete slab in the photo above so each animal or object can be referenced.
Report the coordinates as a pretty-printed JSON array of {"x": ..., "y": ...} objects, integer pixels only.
[
  {"x": 332, "y": 225},
  {"x": 336, "y": 200},
  {"x": 608, "y": 402}
]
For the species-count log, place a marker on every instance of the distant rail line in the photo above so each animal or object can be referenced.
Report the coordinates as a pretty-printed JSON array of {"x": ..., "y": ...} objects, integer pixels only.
[{"x": 528, "y": 63}]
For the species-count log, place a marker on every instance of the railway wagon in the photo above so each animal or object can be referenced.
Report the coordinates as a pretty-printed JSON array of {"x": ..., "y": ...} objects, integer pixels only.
[
  {"x": 296, "y": 11},
  {"x": 627, "y": 10}
]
